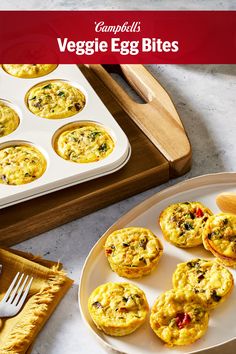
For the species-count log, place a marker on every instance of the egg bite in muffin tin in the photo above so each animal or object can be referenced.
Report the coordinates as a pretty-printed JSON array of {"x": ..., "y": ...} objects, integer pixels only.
[
  {"x": 45, "y": 105},
  {"x": 219, "y": 237},
  {"x": 21, "y": 163},
  {"x": 118, "y": 309},
  {"x": 210, "y": 280},
  {"x": 55, "y": 99},
  {"x": 29, "y": 70},
  {"x": 182, "y": 223},
  {"x": 133, "y": 252},
  {"x": 179, "y": 317},
  {"x": 83, "y": 142},
  {"x": 9, "y": 118}
]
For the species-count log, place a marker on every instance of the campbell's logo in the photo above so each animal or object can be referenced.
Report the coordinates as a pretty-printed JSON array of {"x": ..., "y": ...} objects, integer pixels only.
[{"x": 125, "y": 27}]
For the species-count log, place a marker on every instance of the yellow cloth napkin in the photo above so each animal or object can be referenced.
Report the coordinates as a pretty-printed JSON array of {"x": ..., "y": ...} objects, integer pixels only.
[{"x": 49, "y": 286}]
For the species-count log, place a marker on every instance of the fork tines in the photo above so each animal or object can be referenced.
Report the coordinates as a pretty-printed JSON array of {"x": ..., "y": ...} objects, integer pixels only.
[{"x": 18, "y": 290}]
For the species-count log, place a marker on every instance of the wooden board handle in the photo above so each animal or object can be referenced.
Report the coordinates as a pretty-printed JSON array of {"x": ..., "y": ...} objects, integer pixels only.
[{"x": 157, "y": 118}]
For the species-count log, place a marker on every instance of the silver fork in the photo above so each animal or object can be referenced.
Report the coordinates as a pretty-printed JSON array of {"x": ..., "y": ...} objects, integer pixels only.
[{"x": 14, "y": 299}]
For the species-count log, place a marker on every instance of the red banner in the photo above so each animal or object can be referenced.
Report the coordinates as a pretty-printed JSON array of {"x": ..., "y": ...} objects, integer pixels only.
[{"x": 107, "y": 37}]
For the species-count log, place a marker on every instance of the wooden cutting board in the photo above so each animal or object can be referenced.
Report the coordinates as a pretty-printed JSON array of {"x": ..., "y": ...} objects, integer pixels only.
[{"x": 146, "y": 168}]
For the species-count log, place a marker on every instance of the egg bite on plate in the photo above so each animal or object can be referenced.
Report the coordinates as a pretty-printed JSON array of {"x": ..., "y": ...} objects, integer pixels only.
[
  {"x": 207, "y": 278},
  {"x": 20, "y": 164},
  {"x": 9, "y": 119},
  {"x": 133, "y": 252},
  {"x": 182, "y": 223},
  {"x": 55, "y": 99},
  {"x": 219, "y": 237},
  {"x": 179, "y": 317},
  {"x": 118, "y": 309},
  {"x": 83, "y": 143},
  {"x": 28, "y": 71}
]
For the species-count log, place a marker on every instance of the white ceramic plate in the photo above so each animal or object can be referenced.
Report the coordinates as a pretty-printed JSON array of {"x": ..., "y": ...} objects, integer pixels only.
[{"x": 96, "y": 270}]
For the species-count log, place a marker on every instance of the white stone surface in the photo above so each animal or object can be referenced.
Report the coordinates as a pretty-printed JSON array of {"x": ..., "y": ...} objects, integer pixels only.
[
  {"x": 204, "y": 96},
  {"x": 118, "y": 4}
]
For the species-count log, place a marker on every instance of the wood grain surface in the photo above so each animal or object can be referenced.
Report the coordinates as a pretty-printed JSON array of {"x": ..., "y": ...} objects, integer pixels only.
[{"x": 157, "y": 117}]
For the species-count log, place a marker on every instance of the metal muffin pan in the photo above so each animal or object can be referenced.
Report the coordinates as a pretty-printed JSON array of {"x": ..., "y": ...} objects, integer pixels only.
[{"x": 39, "y": 132}]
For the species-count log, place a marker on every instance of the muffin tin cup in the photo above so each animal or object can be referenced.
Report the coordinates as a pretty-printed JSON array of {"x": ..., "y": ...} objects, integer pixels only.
[
  {"x": 17, "y": 111},
  {"x": 33, "y": 77},
  {"x": 40, "y": 132},
  {"x": 71, "y": 83}
]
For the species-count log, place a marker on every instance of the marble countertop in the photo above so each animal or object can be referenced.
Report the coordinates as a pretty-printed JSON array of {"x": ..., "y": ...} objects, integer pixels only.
[
  {"x": 204, "y": 96},
  {"x": 118, "y": 5}
]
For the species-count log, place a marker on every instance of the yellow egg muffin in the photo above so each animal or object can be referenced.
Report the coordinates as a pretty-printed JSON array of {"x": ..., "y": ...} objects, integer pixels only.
[
  {"x": 29, "y": 70},
  {"x": 55, "y": 99},
  {"x": 83, "y": 144},
  {"x": 219, "y": 237},
  {"x": 20, "y": 164},
  {"x": 9, "y": 119},
  {"x": 133, "y": 252},
  {"x": 182, "y": 223},
  {"x": 179, "y": 317},
  {"x": 207, "y": 278},
  {"x": 118, "y": 309}
]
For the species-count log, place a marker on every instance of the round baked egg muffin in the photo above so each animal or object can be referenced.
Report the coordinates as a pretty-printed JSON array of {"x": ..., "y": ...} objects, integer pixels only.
[
  {"x": 182, "y": 224},
  {"x": 118, "y": 309},
  {"x": 219, "y": 237},
  {"x": 179, "y": 317},
  {"x": 207, "y": 278},
  {"x": 20, "y": 164},
  {"x": 55, "y": 99},
  {"x": 27, "y": 71},
  {"x": 133, "y": 252},
  {"x": 84, "y": 143},
  {"x": 9, "y": 119}
]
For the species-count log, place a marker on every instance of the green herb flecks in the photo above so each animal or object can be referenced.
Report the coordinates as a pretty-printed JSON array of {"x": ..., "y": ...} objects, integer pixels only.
[
  {"x": 92, "y": 136},
  {"x": 49, "y": 86},
  {"x": 103, "y": 147},
  {"x": 188, "y": 226}
]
